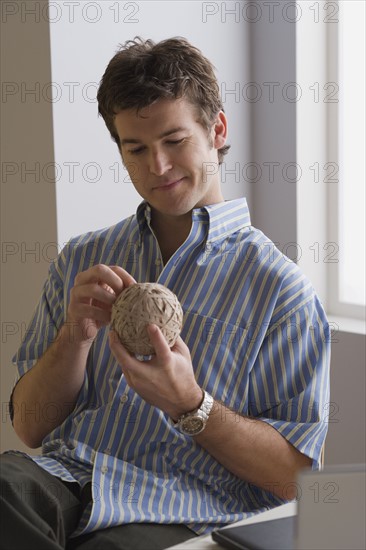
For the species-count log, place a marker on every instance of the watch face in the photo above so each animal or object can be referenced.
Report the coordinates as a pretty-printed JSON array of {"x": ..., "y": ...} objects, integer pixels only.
[{"x": 192, "y": 425}]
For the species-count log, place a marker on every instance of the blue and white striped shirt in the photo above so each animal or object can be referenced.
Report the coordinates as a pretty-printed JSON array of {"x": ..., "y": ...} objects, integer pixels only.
[{"x": 259, "y": 342}]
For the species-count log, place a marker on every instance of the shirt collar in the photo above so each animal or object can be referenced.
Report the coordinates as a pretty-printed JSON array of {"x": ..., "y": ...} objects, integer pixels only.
[{"x": 222, "y": 218}]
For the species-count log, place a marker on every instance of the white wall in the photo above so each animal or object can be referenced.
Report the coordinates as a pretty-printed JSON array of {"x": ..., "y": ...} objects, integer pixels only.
[{"x": 273, "y": 67}]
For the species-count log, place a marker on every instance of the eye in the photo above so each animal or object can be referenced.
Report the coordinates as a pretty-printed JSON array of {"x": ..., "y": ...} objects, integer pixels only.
[
  {"x": 136, "y": 151},
  {"x": 175, "y": 141}
]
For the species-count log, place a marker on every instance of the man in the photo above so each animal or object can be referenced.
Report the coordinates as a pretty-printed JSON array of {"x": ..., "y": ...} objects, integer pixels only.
[{"x": 203, "y": 434}]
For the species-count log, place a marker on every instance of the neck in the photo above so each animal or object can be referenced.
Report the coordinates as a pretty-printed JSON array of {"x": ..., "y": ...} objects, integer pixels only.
[{"x": 170, "y": 231}]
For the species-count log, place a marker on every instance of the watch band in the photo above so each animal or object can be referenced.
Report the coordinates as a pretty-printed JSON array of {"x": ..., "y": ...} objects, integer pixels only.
[
  {"x": 193, "y": 423},
  {"x": 206, "y": 405}
]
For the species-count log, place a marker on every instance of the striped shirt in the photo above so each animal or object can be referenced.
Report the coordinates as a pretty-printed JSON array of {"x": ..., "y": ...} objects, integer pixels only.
[{"x": 259, "y": 343}]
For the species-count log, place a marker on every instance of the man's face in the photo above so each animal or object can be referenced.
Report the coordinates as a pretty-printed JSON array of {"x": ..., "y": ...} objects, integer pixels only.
[{"x": 171, "y": 159}]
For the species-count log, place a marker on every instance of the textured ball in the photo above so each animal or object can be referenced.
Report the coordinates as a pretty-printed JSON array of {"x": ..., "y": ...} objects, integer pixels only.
[{"x": 141, "y": 304}]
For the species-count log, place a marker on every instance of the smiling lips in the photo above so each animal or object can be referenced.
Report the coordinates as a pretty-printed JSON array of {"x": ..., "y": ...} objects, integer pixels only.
[{"x": 167, "y": 186}]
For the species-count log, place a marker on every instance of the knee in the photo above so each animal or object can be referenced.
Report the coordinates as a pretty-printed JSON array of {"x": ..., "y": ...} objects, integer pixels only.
[
  {"x": 10, "y": 476},
  {"x": 10, "y": 465}
]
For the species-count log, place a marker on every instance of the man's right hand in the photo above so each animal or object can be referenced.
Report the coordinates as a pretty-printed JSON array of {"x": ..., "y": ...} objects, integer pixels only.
[
  {"x": 91, "y": 299},
  {"x": 58, "y": 375}
]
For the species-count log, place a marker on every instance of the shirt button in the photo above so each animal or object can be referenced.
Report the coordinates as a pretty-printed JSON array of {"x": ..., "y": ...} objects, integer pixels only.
[
  {"x": 104, "y": 469},
  {"x": 157, "y": 261},
  {"x": 123, "y": 398}
]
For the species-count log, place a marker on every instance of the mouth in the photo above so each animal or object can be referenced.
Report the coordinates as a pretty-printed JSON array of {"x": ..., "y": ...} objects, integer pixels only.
[{"x": 168, "y": 185}]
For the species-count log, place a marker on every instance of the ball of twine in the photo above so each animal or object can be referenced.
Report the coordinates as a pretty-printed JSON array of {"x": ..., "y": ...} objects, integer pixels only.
[{"x": 141, "y": 304}]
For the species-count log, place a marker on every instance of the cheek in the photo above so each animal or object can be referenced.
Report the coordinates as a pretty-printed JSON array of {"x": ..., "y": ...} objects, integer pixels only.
[
  {"x": 192, "y": 160},
  {"x": 135, "y": 171}
]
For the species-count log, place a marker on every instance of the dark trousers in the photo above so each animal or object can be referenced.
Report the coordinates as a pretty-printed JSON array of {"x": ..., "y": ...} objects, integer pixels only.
[{"x": 39, "y": 512}]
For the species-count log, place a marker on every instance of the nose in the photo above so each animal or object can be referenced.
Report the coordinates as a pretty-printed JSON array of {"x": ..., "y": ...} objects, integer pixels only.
[{"x": 159, "y": 162}]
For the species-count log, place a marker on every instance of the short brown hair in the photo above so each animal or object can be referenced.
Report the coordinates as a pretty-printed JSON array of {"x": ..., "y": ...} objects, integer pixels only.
[{"x": 142, "y": 72}]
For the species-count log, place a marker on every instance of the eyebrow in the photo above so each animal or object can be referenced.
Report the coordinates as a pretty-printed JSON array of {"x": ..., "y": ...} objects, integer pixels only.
[{"x": 164, "y": 134}]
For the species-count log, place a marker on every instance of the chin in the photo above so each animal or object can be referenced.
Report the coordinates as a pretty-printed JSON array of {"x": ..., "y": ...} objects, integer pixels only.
[{"x": 174, "y": 209}]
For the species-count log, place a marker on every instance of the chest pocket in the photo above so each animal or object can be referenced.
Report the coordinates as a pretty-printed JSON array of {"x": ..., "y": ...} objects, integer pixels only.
[{"x": 219, "y": 357}]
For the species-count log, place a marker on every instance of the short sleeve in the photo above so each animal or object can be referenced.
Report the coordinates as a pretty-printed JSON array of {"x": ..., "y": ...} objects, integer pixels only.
[
  {"x": 289, "y": 382},
  {"x": 47, "y": 318}
]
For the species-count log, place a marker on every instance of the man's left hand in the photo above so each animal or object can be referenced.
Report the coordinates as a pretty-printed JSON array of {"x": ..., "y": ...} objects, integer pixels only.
[{"x": 165, "y": 381}]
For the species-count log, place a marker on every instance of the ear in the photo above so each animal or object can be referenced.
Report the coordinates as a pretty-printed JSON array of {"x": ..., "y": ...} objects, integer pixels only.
[{"x": 219, "y": 130}]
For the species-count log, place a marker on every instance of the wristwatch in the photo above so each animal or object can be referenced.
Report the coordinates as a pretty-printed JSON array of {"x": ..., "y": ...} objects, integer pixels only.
[{"x": 193, "y": 423}]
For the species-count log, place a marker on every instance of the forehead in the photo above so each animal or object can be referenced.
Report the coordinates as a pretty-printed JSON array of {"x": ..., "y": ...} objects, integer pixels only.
[{"x": 155, "y": 119}]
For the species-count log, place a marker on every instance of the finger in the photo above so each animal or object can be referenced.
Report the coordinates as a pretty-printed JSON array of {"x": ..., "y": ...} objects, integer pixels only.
[
  {"x": 180, "y": 346},
  {"x": 85, "y": 311},
  {"x": 100, "y": 274},
  {"x": 159, "y": 343},
  {"x": 93, "y": 291},
  {"x": 116, "y": 348},
  {"x": 124, "y": 358},
  {"x": 127, "y": 279}
]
